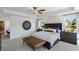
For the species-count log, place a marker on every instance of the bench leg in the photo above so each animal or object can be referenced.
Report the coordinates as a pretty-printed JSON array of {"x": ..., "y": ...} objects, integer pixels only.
[{"x": 34, "y": 49}]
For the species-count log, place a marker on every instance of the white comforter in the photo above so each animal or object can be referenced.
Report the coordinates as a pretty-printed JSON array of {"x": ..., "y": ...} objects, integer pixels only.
[{"x": 47, "y": 36}]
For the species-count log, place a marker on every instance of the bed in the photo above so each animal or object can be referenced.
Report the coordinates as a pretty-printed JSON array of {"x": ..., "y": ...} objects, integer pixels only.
[
  {"x": 47, "y": 36},
  {"x": 51, "y": 38}
]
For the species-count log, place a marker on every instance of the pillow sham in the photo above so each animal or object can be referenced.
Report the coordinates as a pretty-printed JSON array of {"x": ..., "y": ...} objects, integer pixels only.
[
  {"x": 48, "y": 30},
  {"x": 52, "y": 30},
  {"x": 56, "y": 31}
]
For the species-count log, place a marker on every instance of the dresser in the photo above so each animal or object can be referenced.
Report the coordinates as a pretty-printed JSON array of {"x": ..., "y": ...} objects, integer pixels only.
[
  {"x": 0, "y": 42},
  {"x": 69, "y": 37}
]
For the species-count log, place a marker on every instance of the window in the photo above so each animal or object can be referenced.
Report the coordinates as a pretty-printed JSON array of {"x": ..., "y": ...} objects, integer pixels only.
[
  {"x": 41, "y": 23},
  {"x": 70, "y": 23}
]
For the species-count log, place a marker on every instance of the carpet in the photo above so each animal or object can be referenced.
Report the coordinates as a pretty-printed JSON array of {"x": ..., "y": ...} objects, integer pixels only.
[{"x": 17, "y": 45}]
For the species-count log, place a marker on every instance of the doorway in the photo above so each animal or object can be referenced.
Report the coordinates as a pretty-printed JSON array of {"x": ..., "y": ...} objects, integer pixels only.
[
  {"x": 5, "y": 29},
  {"x": 2, "y": 27}
]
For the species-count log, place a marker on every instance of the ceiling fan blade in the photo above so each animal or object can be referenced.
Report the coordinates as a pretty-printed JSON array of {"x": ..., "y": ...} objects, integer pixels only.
[
  {"x": 34, "y": 8},
  {"x": 42, "y": 10},
  {"x": 39, "y": 12}
]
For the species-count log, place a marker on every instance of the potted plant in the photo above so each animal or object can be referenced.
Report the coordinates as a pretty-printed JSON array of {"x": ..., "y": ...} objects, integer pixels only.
[{"x": 72, "y": 24}]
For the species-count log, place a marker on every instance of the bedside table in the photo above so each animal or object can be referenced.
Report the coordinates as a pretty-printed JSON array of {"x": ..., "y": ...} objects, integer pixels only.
[{"x": 69, "y": 37}]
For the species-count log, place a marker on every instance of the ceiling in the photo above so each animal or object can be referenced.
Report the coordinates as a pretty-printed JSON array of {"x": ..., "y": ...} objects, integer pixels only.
[
  {"x": 48, "y": 10},
  {"x": 30, "y": 9}
]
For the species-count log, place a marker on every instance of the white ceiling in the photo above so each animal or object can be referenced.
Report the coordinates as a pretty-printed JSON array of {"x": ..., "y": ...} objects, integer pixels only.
[
  {"x": 51, "y": 9},
  {"x": 29, "y": 10},
  {"x": 48, "y": 10}
]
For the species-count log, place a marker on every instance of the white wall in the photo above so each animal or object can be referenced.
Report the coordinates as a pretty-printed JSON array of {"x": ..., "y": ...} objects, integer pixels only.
[
  {"x": 16, "y": 25},
  {"x": 17, "y": 29},
  {"x": 55, "y": 19},
  {"x": 7, "y": 25},
  {"x": 5, "y": 18}
]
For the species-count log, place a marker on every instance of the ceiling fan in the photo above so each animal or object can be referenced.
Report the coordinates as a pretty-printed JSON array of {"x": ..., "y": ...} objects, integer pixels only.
[{"x": 37, "y": 11}]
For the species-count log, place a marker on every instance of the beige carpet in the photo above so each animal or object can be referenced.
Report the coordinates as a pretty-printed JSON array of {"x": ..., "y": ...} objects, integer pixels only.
[{"x": 17, "y": 45}]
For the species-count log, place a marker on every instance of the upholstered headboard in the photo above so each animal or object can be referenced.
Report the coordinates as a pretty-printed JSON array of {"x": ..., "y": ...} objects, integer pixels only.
[{"x": 54, "y": 25}]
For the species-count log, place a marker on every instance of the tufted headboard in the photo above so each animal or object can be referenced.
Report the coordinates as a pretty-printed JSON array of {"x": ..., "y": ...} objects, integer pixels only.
[{"x": 54, "y": 25}]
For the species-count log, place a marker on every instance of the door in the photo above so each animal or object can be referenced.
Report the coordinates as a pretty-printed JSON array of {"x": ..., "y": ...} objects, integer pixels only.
[{"x": 2, "y": 27}]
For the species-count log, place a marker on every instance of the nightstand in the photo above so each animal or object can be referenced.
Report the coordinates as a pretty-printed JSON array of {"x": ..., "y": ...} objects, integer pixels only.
[{"x": 69, "y": 37}]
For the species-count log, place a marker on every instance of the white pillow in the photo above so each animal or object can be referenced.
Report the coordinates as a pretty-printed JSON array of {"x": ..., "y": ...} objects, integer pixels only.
[
  {"x": 54, "y": 30},
  {"x": 59, "y": 31}
]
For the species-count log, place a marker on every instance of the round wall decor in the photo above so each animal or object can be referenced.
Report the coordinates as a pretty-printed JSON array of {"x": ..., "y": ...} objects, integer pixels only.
[{"x": 26, "y": 25}]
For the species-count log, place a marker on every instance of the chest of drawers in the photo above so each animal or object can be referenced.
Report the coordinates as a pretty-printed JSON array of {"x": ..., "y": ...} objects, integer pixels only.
[{"x": 69, "y": 37}]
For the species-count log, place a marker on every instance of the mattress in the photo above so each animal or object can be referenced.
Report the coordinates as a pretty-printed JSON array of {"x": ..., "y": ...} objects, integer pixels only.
[{"x": 47, "y": 36}]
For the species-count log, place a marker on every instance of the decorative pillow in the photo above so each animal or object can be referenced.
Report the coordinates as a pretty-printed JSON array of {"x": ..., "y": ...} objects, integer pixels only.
[
  {"x": 54, "y": 30},
  {"x": 57, "y": 30},
  {"x": 48, "y": 30}
]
